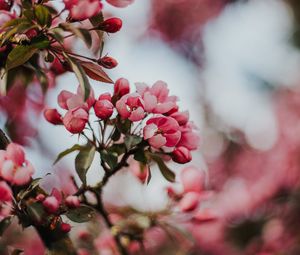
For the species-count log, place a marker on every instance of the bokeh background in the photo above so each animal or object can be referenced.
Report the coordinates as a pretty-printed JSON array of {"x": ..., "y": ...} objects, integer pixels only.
[{"x": 236, "y": 67}]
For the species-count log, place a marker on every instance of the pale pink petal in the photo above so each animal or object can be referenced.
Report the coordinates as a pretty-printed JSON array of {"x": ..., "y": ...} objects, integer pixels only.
[
  {"x": 137, "y": 114},
  {"x": 150, "y": 102},
  {"x": 160, "y": 90},
  {"x": 141, "y": 88},
  {"x": 122, "y": 108},
  {"x": 157, "y": 141},
  {"x": 7, "y": 171},
  {"x": 22, "y": 176},
  {"x": 164, "y": 107},
  {"x": 149, "y": 131},
  {"x": 192, "y": 179},
  {"x": 63, "y": 97}
]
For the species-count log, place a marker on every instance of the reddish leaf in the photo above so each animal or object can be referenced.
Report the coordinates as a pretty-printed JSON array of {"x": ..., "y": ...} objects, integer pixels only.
[{"x": 95, "y": 72}]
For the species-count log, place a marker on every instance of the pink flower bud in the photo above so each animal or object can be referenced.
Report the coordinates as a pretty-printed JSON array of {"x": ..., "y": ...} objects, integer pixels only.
[
  {"x": 51, "y": 204},
  {"x": 108, "y": 62},
  {"x": 5, "y": 5},
  {"x": 40, "y": 197},
  {"x": 105, "y": 96},
  {"x": 65, "y": 227},
  {"x": 192, "y": 179},
  {"x": 181, "y": 155},
  {"x": 111, "y": 25},
  {"x": 53, "y": 116},
  {"x": 121, "y": 87},
  {"x": 103, "y": 109},
  {"x": 72, "y": 201},
  {"x": 75, "y": 120},
  {"x": 189, "y": 201}
]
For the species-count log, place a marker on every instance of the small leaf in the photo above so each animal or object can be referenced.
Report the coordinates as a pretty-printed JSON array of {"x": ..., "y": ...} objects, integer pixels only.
[
  {"x": 83, "y": 161},
  {"x": 75, "y": 147},
  {"x": 43, "y": 15},
  {"x": 95, "y": 72},
  {"x": 96, "y": 21},
  {"x": 124, "y": 126},
  {"x": 80, "y": 74},
  {"x": 166, "y": 172},
  {"x": 40, "y": 42},
  {"x": 20, "y": 28},
  {"x": 132, "y": 140},
  {"x": 116, "y": 135},
  {"x": 81, "y": 214},
  {"x": 111, "y": 158},
  {"x": 19, "y": 55},
  {"x": 14, "y": 22},
  {"x": 4, "y": 224},
  {"x": 33, "y": 185}
]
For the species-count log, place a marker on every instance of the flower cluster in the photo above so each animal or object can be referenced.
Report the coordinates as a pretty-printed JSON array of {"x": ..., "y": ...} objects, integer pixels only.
[
  {"x": 14, "y": 168},
  {"x": 80, "y": 10},
  {"x": 164, "y": 127}
]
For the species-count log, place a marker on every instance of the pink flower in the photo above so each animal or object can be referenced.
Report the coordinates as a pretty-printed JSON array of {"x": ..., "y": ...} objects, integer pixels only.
[
  {"x": 103, "y": 109},
  {"x": 162, "y": 131},
  {"x": 5, "y": 192},
  {"x": 189, "y": 201},
  {"x": 192, "y": 179},
  {"x": 121, "y": 87},
  {"x": 67, "y": 100},
  {"x": 14, "y": 168},
  {"x": 181, "y": 155},
  {"x": 205, "y": 215},
  {"x": 72, "y": 201},
  {"x": 105, "y": 96},
  {"x": 51, "y": 204},
  {"x": 120, "y": 3},
  {"x": 53, "y": 116},
  {"x": 189, "y": 138},
  {"x": 82, "y": 9},
  {"x": 75, "y": 120},
  {"x": 111, "y": 25},
  {"x": 131, "y": 107},
  {"x": 156, "y": 98}
]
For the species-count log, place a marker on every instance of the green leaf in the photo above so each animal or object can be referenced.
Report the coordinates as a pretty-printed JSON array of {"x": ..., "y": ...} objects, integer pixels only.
[
  {"x": 166, "y": 172},
  {"x": 124, "y": 126},
  {"x": 83, "y": 161},
  {"x": 40, "y": 42},
  {"x": 43, "y": 15},
  {"x": 132, "y": 140},
  {"x": 4, "y": 224},
  {"x": 111, "y": 158},
  {"x": 140, "y": 156},
  {"x": 81, "y": 33},
  {"x": 75, "y": 147},
  {"x": 20, "y": 28},
  {"x": 81, "y": 214},
  {"x": 36, "y": 211},
  {"x": 20, "y": 55},
  {"x": 14, "y": 22},
  {"x": 118, "y": 148},
  {"x": 80, "y": 74},
  {"x": 33, "y": 185}
]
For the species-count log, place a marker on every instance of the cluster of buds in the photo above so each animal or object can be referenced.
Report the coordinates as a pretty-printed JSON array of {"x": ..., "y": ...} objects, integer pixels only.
[
  {"x": 56, "y": 204},
  {"x": 157, "y": 114}
]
